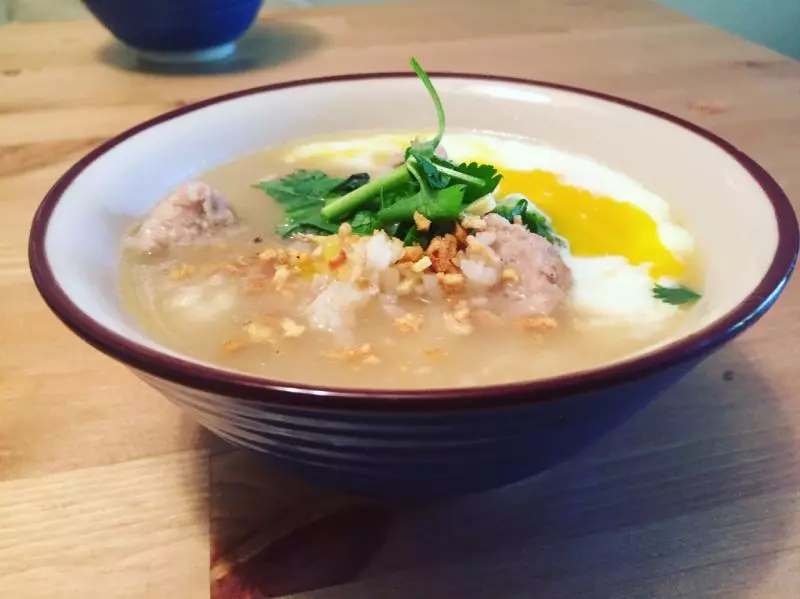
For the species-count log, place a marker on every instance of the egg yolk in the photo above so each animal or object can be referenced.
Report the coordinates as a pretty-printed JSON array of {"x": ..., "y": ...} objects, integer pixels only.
[{"x": 595, "y": 225}]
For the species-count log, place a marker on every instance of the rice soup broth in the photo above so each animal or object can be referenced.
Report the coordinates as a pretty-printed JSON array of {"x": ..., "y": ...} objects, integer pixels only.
[{"x": 432, "y": 357}]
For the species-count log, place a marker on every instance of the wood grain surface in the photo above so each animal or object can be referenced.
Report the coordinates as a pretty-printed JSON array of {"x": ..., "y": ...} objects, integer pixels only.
[{"x": 107, "y": 491}]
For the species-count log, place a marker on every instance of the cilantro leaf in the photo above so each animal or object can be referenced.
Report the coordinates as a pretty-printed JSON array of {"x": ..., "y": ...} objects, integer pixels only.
[
  {"x": 534, "y": 221},
  {"x": 443, "y": 204},
  {"x": 301, "y": 186},
  {"x": 486, "y": 173},
  {"x": 351, "y": 183},
  {"x": 481, "y": 179},
  {"x": 433, "y": 178},
  {"x": 412, "y": 237},
  {"x": 302, "y": 195},
  {"x": 392, "y": 196},
  {"x": 675, "y": 295},
  {"x": 308, "y": 222},
  {"x": 511, "y": 211},
  {"x": 364, "y": 222}
]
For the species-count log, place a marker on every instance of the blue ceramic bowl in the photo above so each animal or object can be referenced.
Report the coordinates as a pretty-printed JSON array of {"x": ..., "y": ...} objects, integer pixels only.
[
  {"x": 424, "y": 442},
  {"x": 177, "y": 29}
]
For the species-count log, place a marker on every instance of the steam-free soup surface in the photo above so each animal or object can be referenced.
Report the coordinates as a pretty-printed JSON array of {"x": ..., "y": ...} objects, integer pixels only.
[{"x": 221, "y": 299}]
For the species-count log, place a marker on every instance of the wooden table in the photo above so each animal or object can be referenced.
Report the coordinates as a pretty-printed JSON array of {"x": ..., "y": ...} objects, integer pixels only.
[{"x": 106, "y": 490}]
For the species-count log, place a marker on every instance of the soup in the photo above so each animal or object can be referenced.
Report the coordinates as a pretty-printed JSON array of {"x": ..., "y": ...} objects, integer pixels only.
[{"x": 373, "y": 260}]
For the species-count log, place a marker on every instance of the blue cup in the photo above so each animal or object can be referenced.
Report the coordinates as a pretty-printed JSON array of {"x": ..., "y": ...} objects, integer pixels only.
[{"x": 177, "y": 30}]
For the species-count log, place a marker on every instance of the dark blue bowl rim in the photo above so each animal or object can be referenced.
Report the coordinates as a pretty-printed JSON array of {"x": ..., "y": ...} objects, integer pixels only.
[{"x": 276, "y": 393}]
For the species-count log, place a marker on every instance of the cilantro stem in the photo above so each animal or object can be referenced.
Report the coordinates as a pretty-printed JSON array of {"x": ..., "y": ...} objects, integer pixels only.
[
  {"x": 431, "y": 145},
  {"x": 458, "y": 175},
  {"x": 412, "y": 167},
  {"x": 340, "y": 207}
]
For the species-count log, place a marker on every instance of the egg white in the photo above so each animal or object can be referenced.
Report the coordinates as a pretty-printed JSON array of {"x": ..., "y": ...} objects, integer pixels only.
[
  {"x": 359, "y": 153},
  {"x": 610, "y": 291},
  {"x": 606, "y": 290},
  {"x": 573, "y": 169}
]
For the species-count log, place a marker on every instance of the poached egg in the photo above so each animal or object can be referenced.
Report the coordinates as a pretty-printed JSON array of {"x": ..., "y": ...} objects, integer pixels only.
[{"x": 622, "y": 239}]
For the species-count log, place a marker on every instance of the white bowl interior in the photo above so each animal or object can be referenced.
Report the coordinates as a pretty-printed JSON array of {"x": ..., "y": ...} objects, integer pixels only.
[{"x": 720, "y": 201}]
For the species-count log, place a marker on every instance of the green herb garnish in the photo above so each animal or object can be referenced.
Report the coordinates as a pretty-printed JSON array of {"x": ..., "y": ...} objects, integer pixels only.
[
  {"x": 413, "y": 236},
  {"x": 352, "y": 182},
  {"x": 481, "y": 179},
  {"x": 675, "y": 295},
  {"x": 306, "y": 223},
  {"x": 364, "y": 222},
  {"x": 444, "y": 204},
  {"x": 302, "y": 195},
  {"x": 302, "y": 186},
  {"x": 348, "y": 203},
  {"x": 426, "y": 183},
  {"x": 417, "y": 181},
  {"x": 534, "y": 221},
  {"x": 428, "y": 148},
  {"x": 424, "y": 167}
]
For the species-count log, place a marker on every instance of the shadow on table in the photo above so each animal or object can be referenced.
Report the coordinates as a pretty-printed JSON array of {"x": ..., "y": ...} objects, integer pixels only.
[
  {"x": 666, "y": 506},
  {"x": 265, "y": 45}
]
